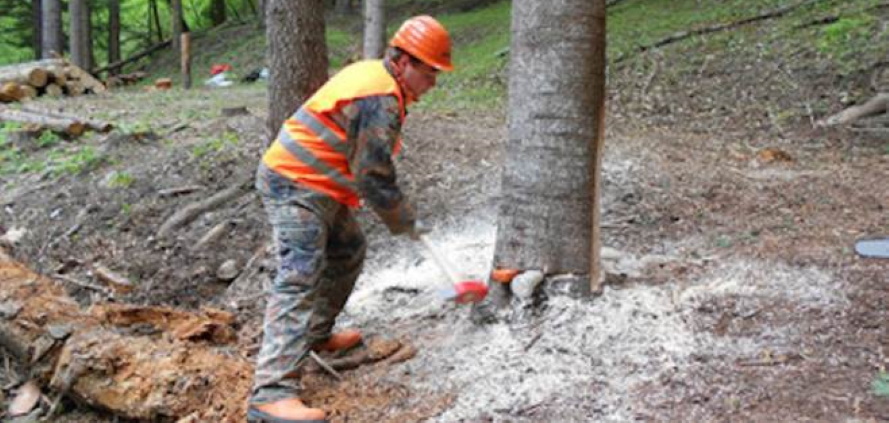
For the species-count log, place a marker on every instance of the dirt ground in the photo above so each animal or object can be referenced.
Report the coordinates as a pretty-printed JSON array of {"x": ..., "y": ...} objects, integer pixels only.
[{"x": 733, "y": 292}]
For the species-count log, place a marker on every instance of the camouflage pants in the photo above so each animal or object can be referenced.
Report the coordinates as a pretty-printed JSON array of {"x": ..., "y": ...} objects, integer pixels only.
[{"x": 320, "y": 251}]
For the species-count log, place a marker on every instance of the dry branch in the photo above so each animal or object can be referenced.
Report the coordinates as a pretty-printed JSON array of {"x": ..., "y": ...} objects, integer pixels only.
[
  {"x": 137, "y": 56},
  {"x": 679, "y": 36},
  {"x": 193, "y": 210}
]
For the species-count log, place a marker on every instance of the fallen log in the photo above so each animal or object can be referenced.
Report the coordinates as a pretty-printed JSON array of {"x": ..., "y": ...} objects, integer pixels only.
[
  {"x": 11, "y": 91},
  {"x": 30, "y": 73},
  {"x": 93, "y": 124},
  {"x": 105, "y": 357},
  {"x": 68, "y": 126}
]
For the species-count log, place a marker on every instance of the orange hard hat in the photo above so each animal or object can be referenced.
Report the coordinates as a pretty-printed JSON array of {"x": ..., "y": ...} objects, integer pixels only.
[{"x": 426, "y": 39}]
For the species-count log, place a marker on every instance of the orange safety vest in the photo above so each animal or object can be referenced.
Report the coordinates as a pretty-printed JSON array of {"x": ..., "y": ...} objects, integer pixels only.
[{"x": 312, "y": 150}]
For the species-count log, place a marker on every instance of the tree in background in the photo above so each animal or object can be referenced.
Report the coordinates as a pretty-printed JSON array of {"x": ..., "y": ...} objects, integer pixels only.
[
  {"x": 52, "y": 28},
  {"x": 297, "y": 55},
  {"x": 79, "y": 37},
  {"x": 176, "y": 22},
  {"x": 548, "y": 218},
  {"x": 114, "y": 34},
  {"x": 217, "y": 12},
  {"x": 37, "y": 25},
  {"x": 374, "y": 28}
]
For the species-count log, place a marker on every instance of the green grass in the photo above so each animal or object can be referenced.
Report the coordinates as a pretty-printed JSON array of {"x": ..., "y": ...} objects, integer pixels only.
[{"x": 478, "y": 81}]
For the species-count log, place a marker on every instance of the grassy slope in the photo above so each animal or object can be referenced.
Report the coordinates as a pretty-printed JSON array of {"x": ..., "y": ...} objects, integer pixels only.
[
  {"x": 849, "y": 44},
  {"x": 844, "y": 48}
]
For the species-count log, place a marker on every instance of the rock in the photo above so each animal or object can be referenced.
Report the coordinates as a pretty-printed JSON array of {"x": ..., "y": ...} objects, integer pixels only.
[{"x": 228, "y": 271}]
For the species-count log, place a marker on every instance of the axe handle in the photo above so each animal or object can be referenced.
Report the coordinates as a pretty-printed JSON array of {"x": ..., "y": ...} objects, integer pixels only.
[{"x": 439, "y": 260}]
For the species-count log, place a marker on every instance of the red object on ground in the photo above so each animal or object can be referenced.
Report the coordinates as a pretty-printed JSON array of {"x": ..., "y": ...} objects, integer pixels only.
[
  {"x": 464, "y": 292},
  {"x": 219, "y": 68}
]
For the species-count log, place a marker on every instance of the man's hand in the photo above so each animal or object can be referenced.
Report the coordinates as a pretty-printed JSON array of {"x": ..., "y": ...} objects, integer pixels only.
[{"x": 418, "y": 230}]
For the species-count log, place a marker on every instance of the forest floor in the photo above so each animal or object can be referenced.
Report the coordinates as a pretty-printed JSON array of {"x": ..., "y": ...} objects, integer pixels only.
[
  {"x": 732, "y": 293},
  {"x": 733, "y": 290}
]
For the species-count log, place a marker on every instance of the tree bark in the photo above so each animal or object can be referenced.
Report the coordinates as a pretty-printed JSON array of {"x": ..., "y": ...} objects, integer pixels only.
[
  {"x": 114, "y": 34},
  {"x": 374, "y": 29},
  {"x": 37, "y": 23},
  {"x": 550, "y": 175},
  {"x": 297, "y": 56},
  {"x": 51, "y": 28},
  {"x": 78, "y": 12}
]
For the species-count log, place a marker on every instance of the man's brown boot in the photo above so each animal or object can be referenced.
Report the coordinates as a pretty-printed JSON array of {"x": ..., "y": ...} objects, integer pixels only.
[
  {"x": 290, "y": 410},
  {"x": 340, "y": 341}
]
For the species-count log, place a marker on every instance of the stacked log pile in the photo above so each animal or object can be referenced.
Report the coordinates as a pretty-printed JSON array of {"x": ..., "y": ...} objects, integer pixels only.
[{"x": 51, "y": 77}]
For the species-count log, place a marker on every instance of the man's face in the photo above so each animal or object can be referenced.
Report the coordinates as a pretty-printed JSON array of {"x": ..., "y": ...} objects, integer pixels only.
[{"x": 418, "y": 76}]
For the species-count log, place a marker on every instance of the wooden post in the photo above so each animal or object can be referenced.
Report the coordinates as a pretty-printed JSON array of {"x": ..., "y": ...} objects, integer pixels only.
[{"x": 186, "y": 60}]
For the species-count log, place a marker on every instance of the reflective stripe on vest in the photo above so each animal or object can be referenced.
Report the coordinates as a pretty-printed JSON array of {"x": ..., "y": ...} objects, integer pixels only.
[{"x": 308, "y": 158}]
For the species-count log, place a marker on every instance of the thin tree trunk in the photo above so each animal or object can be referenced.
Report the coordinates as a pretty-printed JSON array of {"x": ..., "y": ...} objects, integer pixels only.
[
  {"x": 78, "y": 12},
  {"x": 297, "y": 56},
  {"x": 37, "y": 34},
  {"x": 52, "y": 28},
  {"x": 157, "y": 20},
  {"x": 114, "y": 34},
  {"x": 217, "y": 12},
  {"x": 374, "y": 28},
  {"x": 343, "y": 7},
  {"x": 176, "y": 16},
  {"x": 546, "y": 217}
]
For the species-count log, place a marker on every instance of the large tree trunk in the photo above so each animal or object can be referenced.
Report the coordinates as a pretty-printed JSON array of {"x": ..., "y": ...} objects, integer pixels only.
[
  {"x": 114, "y": 34},
  {"x": 374, "y": 28},
  {"x": 51, "y": 28},
  {"x": 297, "y": 56},
  {"x": 217, "y": 12},
  {"x": 78, "y": 12},
  {"x": 547, "y": 219},
  {"x": 37, "y": 29}
]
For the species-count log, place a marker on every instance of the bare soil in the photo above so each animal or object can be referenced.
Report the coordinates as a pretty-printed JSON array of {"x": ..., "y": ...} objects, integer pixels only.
[{"x": 733, "y": 292}]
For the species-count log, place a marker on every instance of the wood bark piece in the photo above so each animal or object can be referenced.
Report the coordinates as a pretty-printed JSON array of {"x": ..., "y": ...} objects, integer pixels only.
[
  {"x": 193, "y": 210},
  {"x": 113, "y": 280},
  {"x": 69, "y": 126},
  {"x": 104, "y": 357}
]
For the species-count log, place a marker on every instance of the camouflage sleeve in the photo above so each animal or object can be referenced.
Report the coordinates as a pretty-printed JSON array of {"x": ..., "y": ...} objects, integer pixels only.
[{"x": 376, "y": 132}]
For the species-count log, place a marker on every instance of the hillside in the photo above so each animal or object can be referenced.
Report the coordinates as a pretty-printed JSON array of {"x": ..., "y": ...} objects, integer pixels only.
[{"x": 728, "y": 215}]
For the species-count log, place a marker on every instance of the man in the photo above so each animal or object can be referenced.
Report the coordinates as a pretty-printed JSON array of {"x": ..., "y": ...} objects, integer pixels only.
[{"x": 332, "y": 155}]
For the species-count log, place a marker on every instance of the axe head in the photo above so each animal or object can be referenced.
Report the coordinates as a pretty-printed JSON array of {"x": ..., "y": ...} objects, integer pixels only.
[{"x": 464, "y": 292}]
